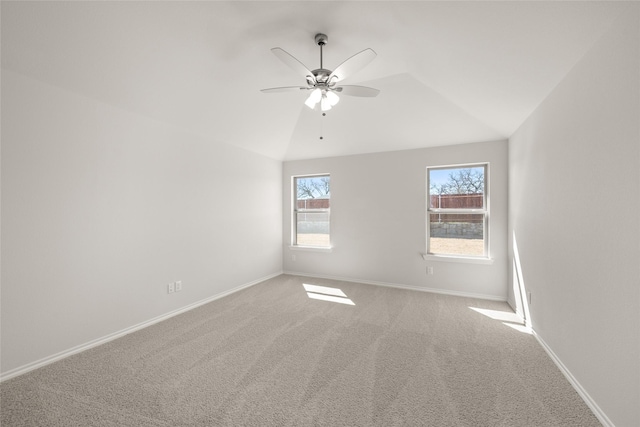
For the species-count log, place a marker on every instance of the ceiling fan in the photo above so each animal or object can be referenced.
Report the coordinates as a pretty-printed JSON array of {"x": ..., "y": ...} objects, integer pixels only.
[{"x": 323, "y": 83}]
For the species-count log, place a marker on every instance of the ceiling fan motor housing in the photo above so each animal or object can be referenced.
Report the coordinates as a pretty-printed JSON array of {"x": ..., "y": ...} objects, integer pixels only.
[{"x": 321, "y": 75}]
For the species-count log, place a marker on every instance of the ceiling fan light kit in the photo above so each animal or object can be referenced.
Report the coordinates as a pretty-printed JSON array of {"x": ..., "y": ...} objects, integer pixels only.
[{"x": 323, "y": 83}]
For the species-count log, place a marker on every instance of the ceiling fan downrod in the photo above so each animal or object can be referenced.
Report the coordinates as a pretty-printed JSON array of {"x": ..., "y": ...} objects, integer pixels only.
[
  {"x": 321, "y": 40},
  {"x": 321, "y": 75}
]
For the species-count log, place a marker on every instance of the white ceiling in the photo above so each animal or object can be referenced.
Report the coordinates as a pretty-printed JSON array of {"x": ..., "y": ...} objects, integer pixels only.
[{"x": 449, "y": 72}]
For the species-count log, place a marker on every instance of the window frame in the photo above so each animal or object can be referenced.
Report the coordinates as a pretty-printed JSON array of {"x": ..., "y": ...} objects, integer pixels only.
[
  {"x": 296, "y": 211},
  {"x": 485, "y": 211}
]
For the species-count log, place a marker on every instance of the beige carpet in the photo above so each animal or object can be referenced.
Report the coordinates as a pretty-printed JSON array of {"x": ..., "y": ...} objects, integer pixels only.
[{"x": 272, "y": 356}]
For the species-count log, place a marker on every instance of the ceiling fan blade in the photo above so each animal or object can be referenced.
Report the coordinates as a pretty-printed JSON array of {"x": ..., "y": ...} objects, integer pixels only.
[
  {"x": 292, "y": 62},
  {"x": 283, "y": 89},
  {"x": 353, "y": 64},
  {"x": 351, "y": 90}
]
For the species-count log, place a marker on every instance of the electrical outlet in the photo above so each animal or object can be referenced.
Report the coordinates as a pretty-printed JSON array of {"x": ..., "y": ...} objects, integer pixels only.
[
  {"x": 178, "y": 285},
  {"x": 529, "y": 295},
  {"x": 171, "y": 288},
  {"x": 430, "y": 270}
]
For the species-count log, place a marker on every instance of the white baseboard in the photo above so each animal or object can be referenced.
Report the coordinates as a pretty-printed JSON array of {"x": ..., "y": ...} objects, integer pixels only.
[
  {"x": 599, "y": 413},
  {"x": 94, "y": 343},
  {"x": 400, "y": 286}
]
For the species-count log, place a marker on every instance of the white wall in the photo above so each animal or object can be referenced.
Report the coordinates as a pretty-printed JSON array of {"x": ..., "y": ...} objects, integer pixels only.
[
  {"x": 102, "y": 208},
  {"x": 574, "y": 203},
  {"x": 378, "y": 228}
]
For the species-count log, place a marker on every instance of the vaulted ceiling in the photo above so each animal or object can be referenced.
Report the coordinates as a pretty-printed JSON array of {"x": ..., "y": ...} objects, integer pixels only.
[{"x": 449, "y": 72}]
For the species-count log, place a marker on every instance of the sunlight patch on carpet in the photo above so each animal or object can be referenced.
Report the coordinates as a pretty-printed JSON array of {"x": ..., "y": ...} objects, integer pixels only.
[
  {"x": 518, "y": 327},
  {"x": 325, "y": 293},
  {"x": 507, "y": 318}
]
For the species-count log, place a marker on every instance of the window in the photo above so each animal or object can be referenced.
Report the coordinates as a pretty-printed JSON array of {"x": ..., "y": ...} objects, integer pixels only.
[
  {"x": 311, "y": 211},
  {"x": 457, "y": 211}
]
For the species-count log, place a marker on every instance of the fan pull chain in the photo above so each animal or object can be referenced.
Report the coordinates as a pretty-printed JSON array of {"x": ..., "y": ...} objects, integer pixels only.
[{"x": 321, "y": 131}]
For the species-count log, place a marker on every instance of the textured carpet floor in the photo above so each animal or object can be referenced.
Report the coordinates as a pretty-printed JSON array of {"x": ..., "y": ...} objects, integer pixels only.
[{"x": 272, "y": 356}]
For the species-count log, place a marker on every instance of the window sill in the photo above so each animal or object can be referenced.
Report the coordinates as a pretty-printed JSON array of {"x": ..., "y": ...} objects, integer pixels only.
[
  {"x": 311, "y": 248},
  {"x": 461, "y": 259}
]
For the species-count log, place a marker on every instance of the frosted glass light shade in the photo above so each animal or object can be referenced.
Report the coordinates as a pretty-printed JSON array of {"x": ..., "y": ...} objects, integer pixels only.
[
  {"x": 326, "y": 98},
  {"x": 325, "y": 105},
  {"x": 314, "y": 98},
  {"x": 332, "y": 98}
]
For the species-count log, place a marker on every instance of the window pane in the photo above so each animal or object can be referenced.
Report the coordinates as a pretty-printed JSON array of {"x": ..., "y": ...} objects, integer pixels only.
[
  {"x": 310, "y": 204},
  {"x": 312, "y": 189},
  {"x": 312, "y": 210},
  {"x": 456, "y": 234},
  {"x": 312, "y": 228},
  {"x": 456, "y": 188}
]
